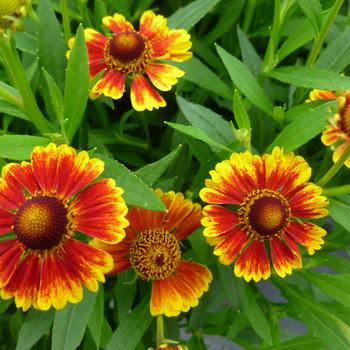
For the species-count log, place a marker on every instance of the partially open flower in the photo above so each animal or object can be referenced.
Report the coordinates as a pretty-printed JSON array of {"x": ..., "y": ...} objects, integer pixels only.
[
  {"x": 337, "y": 133},
  {"x": 152, "y": 248},
  {"x": 12, "y": 12},
  {"x": 43, "y": 204},
  {"x": 134, "y": 54},
  {"x": 259, "y": 206}
]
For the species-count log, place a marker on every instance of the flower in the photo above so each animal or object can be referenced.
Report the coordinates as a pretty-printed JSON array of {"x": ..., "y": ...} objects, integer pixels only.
[
  {"x": 152, "y": 248},
  {"x": 42, "y": 204},
  {"x": 132, "y": 53},
  {"x": 337, "y": 132},
  {"x": 11, "y": 13},
  {"x": 166, "y": 346},
  {"x": 266, "y": 199}
]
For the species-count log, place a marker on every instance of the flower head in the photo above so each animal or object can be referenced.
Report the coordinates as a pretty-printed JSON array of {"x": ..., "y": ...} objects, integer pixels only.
[
  {"x": 337, "y": 133},
  {"x": 152, "y": 248},
  {"x": 11, "y": 13},
  {"x": 131, "y": 53},
  {"x": 266, "y": 200},
  {"x": 42, "y": 205}
]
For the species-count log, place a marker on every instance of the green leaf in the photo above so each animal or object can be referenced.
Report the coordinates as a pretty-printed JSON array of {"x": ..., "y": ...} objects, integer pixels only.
[
  {"x": 336, "y": 286},
  {"x": 244, "y": 80},
  {"x": 303, "y": 342},
  {"x": 339, "y": 209},
  {"x": 36, "y": 324},
  {"x": 336, "y": 55},
  {"x": 313, "y": 11},
  {"x": 295, "y": 112},
  {"x": 70, "y": 323},
  {"x": 255, "y": 315},
  {"x": 303, "y": 128},
  {"x": 96, "y": 318},
  {"x": 325, "y": 325},
  {"x": 186, "y": 17},
  {"x": 76, "y": 91},
  {"x": 51, "y": 44},
  {"x": 211, "y": 123},
  {"x": 309, "y": 77},
  {"x": 131, "y": 330},
  {"x": 241, "y": 115},
  {"x": 55, "y": 94},
  {"x": 198, "y": 134},
  {"x": 151, "y": 173},
  {"x": 20, "y": 147},
  {"x": 10, "y": 109},
  {"x": 198, "y": 73},
  {"x": 300, "y": 36},
  {"x": 136, "y": 193}
]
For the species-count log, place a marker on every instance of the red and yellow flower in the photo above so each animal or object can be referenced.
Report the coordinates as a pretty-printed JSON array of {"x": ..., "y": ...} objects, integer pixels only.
[
  {"x": 257, "y": 204},
  {"x": 131, "y": 53},
  {"x": 152, "y": 248},
  {"x": 337, "y": 133},
  {"x": 42, "y": 204}
]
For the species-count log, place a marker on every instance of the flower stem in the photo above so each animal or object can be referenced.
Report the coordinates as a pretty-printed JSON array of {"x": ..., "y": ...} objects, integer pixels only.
[
  {"x": 160, "y": 330},
  {"x": 317, "y": 45},
  {"x": 336, "y": 191},
  {"x": 17, "y": 74},
  {"x": 65, "y": 17},
  {"x": 248, "y": 15},
  {"x": 335, "y": 168}
]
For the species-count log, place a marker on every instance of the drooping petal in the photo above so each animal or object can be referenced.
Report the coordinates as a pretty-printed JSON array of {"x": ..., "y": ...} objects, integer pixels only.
[
  {"x": 253, "y": 263},
  {"x": 283, "y": 259},
  {"x": 180, "y": 291},
  {"x": 10, "y": 253},
  {"x": 307, "y": 234},
  {"x": 317, "y": 94},
  {"x": 112, "y": 85},
  {"x": 331, "y": 135},
  {"x": 163, "y": 76},
  {"x": 143, "y": 96},
  {"x": 99, "y": 211},
  {"x": 117, "y": 23},
  {"x": 339, "y": 151}
]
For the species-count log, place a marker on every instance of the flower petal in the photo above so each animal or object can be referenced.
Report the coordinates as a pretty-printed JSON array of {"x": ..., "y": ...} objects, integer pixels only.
[
  {"x": 317, "y": 94},
  {"x": 253, "y": 263},
  {"x": 331, "y": 135},
  {"x": 117, "y": 23},
  {"x": 153, "y": 26},
  {"x": 99, "y": 211},
  {"x": 143, "y": 96},
  {"x": 307, "y": 234},
  {"x": 163, "y": 76},
  {"x": 112, "y": 85},
  {"x": 6, "y": 221},
  {"x": 339, "y": 151},
  {"x": 283, "y": 258},
  {"x": 10, "y": 253},
  {"x": 180, "y": 291}
]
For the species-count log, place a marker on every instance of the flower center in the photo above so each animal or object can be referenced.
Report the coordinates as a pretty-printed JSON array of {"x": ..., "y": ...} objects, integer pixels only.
[
  {"x": 127, "y": 52},
  {"x": 344, "y": 111},
  {"x": 155, "y": 254},
  {"x": 41, "y": 222},
  {"x": 264, "y": 214}
]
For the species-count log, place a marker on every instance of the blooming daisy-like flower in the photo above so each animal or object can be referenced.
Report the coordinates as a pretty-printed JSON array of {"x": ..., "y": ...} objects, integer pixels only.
[
  {"x": 337, "y": 132},
  {"x": 152, "y": 248},
  {"x": 43, "y": 204},
  {"x": 11, "y": 13},
  {"x": 132, "y": 53},
  {"x": 266, "y": 200}
]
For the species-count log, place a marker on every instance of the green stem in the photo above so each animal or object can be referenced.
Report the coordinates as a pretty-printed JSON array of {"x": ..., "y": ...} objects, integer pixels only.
[
  {"x": 66, "y": 21},
  {"x": 9, "y": 97},
  {"x": 248, "y": 15},
  {"x": 336, "y": 191},
  {"x": 317, "y": 45},
  {"x": 335, "y": 168},
  {"x": 160, "y": 330},
  {"x": 13, "y": 65}
]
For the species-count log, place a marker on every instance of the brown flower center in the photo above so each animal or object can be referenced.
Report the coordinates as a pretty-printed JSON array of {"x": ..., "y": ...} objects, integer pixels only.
[
  {"x": 264, "y": 214},
  {"x": 344, "y": 112},
  {"x": 41, "y": 222},
  {"x": 155, "y": 254},
  {"x": 128, "y": 52}
]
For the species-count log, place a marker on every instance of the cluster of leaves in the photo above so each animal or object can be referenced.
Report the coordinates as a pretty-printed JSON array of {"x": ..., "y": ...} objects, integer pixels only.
[{"x": 248, "y": 73}]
